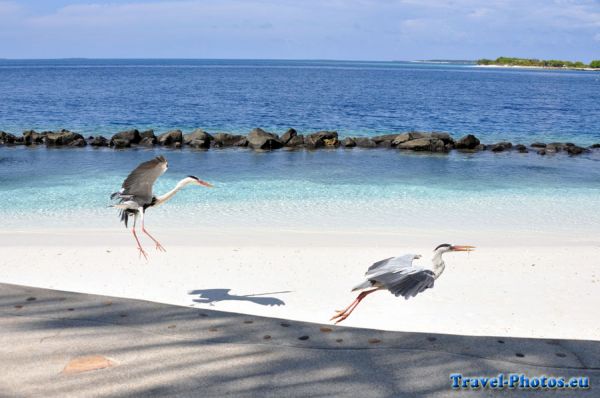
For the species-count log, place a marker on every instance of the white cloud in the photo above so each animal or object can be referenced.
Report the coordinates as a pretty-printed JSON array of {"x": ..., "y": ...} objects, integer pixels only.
[
  {"x": 171, "y": 12},
  {"x": 355, "y": 29},
  {"x": 9, "y": 9}
]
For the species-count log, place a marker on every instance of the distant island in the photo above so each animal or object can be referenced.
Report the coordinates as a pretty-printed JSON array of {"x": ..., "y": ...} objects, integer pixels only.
[{"x": 539, "y": 63}]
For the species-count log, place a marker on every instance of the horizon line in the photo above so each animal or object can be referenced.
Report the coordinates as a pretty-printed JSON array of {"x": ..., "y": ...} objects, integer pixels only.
[{"x": 233, "y": 59}]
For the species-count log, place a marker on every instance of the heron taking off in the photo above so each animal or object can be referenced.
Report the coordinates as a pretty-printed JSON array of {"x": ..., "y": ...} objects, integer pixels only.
[
  {"x": 400, "y": 276},
  {"x": 135, "y": 195}
]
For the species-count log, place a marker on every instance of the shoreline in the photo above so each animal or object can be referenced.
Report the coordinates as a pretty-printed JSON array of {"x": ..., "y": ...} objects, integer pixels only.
[
  {"x": 536, "y": 67},
  {"x": 286, "y": 236}
]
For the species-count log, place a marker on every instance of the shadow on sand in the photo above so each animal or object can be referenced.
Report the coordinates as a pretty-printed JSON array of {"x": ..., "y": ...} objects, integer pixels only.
[{"x": 211, "y": 296}]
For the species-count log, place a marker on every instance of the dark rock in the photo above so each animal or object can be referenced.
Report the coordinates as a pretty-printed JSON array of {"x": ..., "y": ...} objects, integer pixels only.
[
  {"x": 120, "y": 143},
  {"x": 79, "y": 142},
  {"x": 501, "y": 146},
  {"x": 322, "y": 139},
  {"x": 424, "y": 144},
  {"x": 199, "y": 138},
  {"x": 538, "y": 145},
  {"x": 383, "y": 140},
  {"x": 295, "y": 142},
  {"x": 594, "y": 146},
  {"x": 90, "y": 137},
  {"x": 419, "y": 144},
  {"x": 147, "y": 134},
  {"x": 575, "y": 150},
  {"x": 554, "y": 147},
  {"x": 541, "y": 152},
  {"x": 438, "y": 145},
  {"x": 521, "y": 148},
  {"x": 348, "y": 142},
  {"x": 32, "y": 137},
  {"x": 99, "y": 141},
  {"x": 170, "y": 138},
  {"x": 199, "y": 144},
  {"x": 132, "y": 136},
  {"x": 386, "y": 137},
  {"x": 148, "y": 141},
  {"x": 288, "y": 135},
  {"x": 415, "y": 135},
  {"x": 445, "y": 137},
  {"x": 400, "y": 138},
  {"x": 469, "y": 141},
  {"x": 64, "y": 137},
  {"x": 7, "y": 138},
  {"x": 221, "y": 140},
  {"x": 262, "y": 140},
  {"x": 365, "y": 142}
]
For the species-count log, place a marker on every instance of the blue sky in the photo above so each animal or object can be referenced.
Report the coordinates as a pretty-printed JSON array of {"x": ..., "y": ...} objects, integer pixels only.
[{"x": 301, "y": 29}]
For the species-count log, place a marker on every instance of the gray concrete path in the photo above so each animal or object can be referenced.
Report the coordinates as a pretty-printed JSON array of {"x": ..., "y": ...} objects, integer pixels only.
[{"x": 61, "y": 344}]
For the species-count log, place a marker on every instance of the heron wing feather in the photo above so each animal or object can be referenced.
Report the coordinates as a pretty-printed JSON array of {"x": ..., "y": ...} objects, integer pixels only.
[
  {"x": 407, "y": 283},
  {"x": 139, "y": 182},
  {"x": 392, "y": 264}
]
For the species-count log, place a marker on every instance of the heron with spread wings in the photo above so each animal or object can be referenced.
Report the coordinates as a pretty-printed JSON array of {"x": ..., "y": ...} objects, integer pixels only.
[
  {"x": 400, "y": 276},
  {"x": 135, "y": 195}
]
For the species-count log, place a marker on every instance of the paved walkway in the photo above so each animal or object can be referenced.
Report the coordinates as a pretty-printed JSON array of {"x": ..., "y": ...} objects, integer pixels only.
[{"x": 60, "y": 344}]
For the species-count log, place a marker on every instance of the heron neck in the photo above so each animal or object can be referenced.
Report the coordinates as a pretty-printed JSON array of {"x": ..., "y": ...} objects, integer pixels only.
[
  {"x": 167, "y": 196},
  {"x": 438, "y": 264}
]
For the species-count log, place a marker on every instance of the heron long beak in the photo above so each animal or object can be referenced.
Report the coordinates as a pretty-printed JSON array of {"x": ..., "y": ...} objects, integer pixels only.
[
  {"x": 205, "y": 184},
  {"x": 463, "y": 248}
]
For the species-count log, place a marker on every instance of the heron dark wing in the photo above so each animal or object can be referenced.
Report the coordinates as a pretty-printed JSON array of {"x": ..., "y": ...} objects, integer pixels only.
[
  {"x": 406, "y": 284},
  {"x": 140, "y": 181}
]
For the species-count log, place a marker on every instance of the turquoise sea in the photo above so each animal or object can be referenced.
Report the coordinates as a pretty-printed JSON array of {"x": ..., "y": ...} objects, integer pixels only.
[{"x": 322, "y": 189}]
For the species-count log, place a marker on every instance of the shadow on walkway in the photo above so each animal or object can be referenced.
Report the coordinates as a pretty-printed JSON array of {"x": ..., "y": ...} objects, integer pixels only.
[
  {"x": 157, "y": 350},
  {"x": 211, "y": 296}
]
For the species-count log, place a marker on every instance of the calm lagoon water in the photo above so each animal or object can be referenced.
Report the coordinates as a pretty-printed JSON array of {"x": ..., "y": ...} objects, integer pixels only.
[
  {"x": 321, "y": 189},
  {"x": 339, "y": 188}
]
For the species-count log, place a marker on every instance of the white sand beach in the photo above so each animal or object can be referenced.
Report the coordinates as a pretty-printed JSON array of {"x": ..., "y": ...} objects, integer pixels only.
[{"x": 514, "y": 284}]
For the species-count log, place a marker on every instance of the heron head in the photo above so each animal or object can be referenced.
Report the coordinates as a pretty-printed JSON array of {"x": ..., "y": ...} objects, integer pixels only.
[
  {"x": 197, "y": 181},
  {"x": 446, "y": 247}
]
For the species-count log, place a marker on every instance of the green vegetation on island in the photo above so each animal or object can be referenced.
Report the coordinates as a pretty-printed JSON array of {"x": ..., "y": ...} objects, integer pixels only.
[{"x": 539, "y": 63}]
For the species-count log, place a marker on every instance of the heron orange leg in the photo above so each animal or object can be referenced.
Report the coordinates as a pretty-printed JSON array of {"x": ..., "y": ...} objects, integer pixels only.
[
  {"x": 341, "y": 315},
  {"x": 158, "y": 245},
  {"x": 142, "y": 252}
]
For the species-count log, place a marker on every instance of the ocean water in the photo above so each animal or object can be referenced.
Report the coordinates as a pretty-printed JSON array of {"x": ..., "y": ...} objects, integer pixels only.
[
  {"x": 354, "y": 98},
  {"x": 380, "y": 189}
]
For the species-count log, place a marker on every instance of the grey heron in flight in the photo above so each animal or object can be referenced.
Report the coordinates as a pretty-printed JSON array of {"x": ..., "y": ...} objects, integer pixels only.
[
  {"x": 135, "y": 195},
  {"x": 400, "y": 277}
]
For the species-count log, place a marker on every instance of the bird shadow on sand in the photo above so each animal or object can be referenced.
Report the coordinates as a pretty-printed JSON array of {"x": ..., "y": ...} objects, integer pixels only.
[{"x": 211, "y": 296}]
